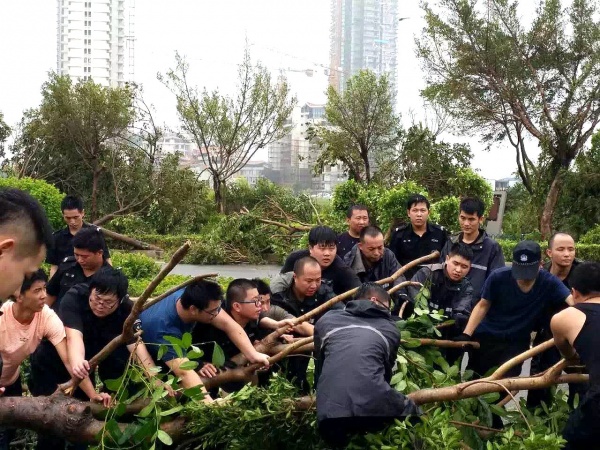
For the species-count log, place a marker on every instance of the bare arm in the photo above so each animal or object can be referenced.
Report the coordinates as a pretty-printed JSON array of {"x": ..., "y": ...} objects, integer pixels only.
[
  {"x": 305, "y": 329},
  {"x": 238, "y": 336},
  {"x": 569, "y": 300},
  {"x": 560, "y": 325},
  {"x": 189, "y": 378},
  {"x": 477, "y": 315},
  {"x": 76, "y": 353},
  {"x": 86, "y": 385}
]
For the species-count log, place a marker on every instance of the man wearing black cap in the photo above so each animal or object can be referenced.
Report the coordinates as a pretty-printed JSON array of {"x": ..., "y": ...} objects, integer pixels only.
[{"x": 513, "y": 300}]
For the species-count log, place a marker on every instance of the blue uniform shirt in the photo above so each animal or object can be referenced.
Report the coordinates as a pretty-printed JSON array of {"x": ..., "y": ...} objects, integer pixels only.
[
  {"x": 162, "y": 320},
  {"x": 514, "y": 313}
]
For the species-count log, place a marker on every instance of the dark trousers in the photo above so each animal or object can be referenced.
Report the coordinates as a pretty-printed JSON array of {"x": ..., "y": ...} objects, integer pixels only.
[
  {"x": 542, "y": 362},
  {"x": 581, "y": 431},
  {"x": 45, "y": 382},
  {"x": 338, "y": 432},
  {"x": 492, "y": 353},
  {"x": 7, "y": 434}
]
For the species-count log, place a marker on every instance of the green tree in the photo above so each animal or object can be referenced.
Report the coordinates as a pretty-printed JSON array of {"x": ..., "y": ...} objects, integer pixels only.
[
  {"x": 505, "y": 81},
  {"x": 4, "y": 133},
  {"x": 229, "y": 131},
  {"x": 76, "y": 126},
  {"x": 427, "y": 161},
  {"x": 361, "y": 126}
]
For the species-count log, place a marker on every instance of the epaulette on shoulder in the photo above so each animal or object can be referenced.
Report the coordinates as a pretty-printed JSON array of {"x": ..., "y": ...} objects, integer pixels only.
[
  {"x": 438, "y": 226},
  {"x": 402, "y": 227},
  {"x": 68, "y": 259},
  {"x": 454, "y": 237}
]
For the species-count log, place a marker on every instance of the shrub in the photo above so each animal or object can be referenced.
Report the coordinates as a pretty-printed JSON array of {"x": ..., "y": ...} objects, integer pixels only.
[
  {"x": 45, "y": 193},
  {"x": 592, "y": 236},
  {"x": 135, "y": 265},
  {"x": 586, "y": 252},
  {"x": 391, "y": 206},
  {"x": 446, "y": 213}
]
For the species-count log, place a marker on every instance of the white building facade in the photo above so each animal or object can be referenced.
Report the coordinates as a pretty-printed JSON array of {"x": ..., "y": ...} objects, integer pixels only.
[{"x": 95, "y": 40}]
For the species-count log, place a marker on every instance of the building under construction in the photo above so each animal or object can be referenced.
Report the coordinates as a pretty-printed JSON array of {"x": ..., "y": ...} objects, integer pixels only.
[{"x": 363, "y": 36}]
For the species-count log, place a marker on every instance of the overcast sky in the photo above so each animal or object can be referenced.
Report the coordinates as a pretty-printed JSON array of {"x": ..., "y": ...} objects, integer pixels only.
[{"x": 211, "y": 34}]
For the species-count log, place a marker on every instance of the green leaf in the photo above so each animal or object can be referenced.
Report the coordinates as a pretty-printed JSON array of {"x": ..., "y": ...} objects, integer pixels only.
[
  {"x": 411, "y": 343},
  {"x": 112, "y": 427},
  {"x": 218, "y": 356},
  {"x": 162, "y": 349},
  {"x": 194, "y": 353},
  {"x": 164, "y": 438},
  {"x": 174, "y": 410},
  {"x": 113, "y": 385},
  {"x": 186, "y": 340},
  {"x": 188, "y": 365},
  {"x": 147, "y": 410},
  {"x": 173, "y": 340}
]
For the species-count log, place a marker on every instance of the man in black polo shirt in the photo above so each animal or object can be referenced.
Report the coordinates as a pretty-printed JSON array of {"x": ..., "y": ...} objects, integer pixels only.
[
  {"x": 561, "y": 251},
  {"x": 357, "y": 218},
  {"x": 73, "y": 214},
  {"x": 419, "y": 237},
  {"x": 322, "y": 246}
]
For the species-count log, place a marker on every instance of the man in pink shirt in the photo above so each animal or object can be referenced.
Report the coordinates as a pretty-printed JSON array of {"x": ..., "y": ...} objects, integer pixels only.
[{"x": 24, "y": 323}]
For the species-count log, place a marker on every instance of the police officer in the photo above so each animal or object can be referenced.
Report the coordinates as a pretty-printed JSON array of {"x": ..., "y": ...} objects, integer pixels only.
[
  {"x": 73, "y": 215},
  {"x": 419, "y": 237},
  {"x": 88, "y": 247}
]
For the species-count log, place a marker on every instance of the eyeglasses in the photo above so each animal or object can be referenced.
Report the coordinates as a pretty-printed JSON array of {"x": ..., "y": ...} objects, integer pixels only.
[
  {"x": 258, "y": 301},
  {"x": 103, "y": 301},
  {"x": 213, "y": 312}
]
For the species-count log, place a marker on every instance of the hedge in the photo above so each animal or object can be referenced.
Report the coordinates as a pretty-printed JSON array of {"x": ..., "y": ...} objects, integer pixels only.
[{"x": 585, "y": 252}]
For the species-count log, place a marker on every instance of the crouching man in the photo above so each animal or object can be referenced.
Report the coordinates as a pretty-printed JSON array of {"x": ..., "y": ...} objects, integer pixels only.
[{"x": 356, "y": 350}]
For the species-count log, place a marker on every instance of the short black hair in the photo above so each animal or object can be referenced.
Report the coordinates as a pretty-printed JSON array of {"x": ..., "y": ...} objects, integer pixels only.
[
  {"x": 461, "y": 249},
  {"x": 585, "y": 278},
  {"x": 370, "y": 289},
  {"x": 109, "y": 280},
  {"x": 38, "y": 275},
  {"x": 22, "y": 214},
  {"x": 416, "y": 198},
  {"x": 200, "y": 294},
  {"x": 71, "y": 202},
  {"x": 371, "y": 231},
  {"x": 262, "y": 286},
  {"x": 321, "y": 235},
  {"x": 89, "y": 238},
  {"x": 300, "y": 264},
  {"x": 551, "y": 240},
  {"x": 472, "y": 205},
  {"x": 353, "y": 208},
  {"x": 236, "y": 291}
]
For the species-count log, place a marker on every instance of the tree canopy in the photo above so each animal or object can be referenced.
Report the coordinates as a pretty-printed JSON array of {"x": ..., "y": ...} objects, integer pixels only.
[{"x": 505, "y": 81}]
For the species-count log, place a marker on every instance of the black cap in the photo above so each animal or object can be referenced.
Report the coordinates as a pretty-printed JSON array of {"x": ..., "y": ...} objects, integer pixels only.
[{"x": 527, "y": 256}]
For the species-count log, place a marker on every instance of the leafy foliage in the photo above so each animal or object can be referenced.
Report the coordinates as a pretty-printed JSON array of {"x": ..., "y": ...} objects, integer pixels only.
[
  {"x": 48, "y": 196},
  {"x": 360, "y": 126}
]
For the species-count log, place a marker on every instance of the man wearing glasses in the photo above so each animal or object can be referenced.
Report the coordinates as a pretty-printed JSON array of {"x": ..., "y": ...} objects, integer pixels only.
[
  {"x": 93, "y": 316},
  {"x": 244, "y": 305},
  {"x": 199, "y": 303}
]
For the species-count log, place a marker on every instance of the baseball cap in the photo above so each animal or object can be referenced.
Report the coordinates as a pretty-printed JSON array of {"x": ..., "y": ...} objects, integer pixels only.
[{"x": 526, "y": 260}]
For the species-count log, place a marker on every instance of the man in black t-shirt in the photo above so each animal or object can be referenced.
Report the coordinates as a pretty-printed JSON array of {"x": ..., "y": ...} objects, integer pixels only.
[
  {"x": 322, "y": 245},
  {"x": 73, "y": 215},
  {"x": 417, "y": 238},
  {"x": 93, "y": 316},
  {"x": 357, "y": 218}
]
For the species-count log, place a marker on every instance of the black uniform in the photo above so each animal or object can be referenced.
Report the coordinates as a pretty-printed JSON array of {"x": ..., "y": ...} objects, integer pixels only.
[
  {"x": 345, "y": 243},
  {"x": 297, "y": 365},
  {"x": 356, "y": 350},
  {"x": 63, "y": 246},
  {"x": 338, "y": 275},
  {"x": 545, "y": 360},
  {"x": 408, "y": 246}
]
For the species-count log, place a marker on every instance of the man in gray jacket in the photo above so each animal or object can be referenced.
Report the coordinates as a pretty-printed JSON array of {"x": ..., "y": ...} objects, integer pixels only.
[{"x": 356, "y": 350}]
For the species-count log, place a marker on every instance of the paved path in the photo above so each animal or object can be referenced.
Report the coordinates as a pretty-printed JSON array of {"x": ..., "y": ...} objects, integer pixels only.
[{"x": 235, "y": 271}]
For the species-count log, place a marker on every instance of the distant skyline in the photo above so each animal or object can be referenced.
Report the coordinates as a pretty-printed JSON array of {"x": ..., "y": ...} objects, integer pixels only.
[{"x": 282, "y": 34}]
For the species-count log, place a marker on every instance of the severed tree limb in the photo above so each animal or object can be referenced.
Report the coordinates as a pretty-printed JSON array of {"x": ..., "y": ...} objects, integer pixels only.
[
  {"x": 127, "y": 335},
  {"x": 297, "y": 228},
  {"x": 128, "y": 240},
  {"x": 519, "y": 359}
]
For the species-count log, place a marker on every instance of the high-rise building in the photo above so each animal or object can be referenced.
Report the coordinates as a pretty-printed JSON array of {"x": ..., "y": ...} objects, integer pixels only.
[
  {"x": 363, "y": 36},
  {"x": 96, "y": 40}
]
